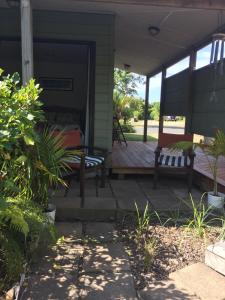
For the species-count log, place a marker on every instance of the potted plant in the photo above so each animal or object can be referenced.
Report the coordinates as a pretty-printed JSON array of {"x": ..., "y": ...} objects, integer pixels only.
[{"x": 213, "y": 151}]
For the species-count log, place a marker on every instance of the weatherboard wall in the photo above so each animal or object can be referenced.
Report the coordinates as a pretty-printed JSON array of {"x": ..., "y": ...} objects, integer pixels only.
[{"x": 78, "y": 27}]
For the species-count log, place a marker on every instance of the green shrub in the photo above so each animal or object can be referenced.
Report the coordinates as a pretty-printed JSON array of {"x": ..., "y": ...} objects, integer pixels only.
[
  {"x": 23, "y": 231},
  {"x": 128, "y": 128}
]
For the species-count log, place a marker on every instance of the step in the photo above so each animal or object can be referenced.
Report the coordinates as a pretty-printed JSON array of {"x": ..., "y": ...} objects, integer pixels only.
[
  {"x": 201, "y": 280},
  {"x": 95, "y": 209},
  {"x": 215, "y": 257}
]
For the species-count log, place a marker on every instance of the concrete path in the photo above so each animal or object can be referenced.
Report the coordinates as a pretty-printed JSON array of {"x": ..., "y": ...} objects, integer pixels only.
[{"x": 92, "y": 264}]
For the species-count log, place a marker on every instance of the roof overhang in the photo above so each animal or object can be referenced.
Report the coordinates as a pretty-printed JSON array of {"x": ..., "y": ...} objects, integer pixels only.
[{"x": 184, "y": 25}]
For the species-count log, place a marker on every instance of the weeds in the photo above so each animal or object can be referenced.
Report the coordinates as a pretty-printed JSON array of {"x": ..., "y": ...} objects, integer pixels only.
[
  {"x": 160, "y": 219},
  {"x": 150, "y": 251},
  {"x": 143, "y": 220},
  {"x": 199, "y": 220}
]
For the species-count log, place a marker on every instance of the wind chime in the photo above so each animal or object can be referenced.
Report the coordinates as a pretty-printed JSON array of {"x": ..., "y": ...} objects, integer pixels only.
[{"x": 217, "y": 55}]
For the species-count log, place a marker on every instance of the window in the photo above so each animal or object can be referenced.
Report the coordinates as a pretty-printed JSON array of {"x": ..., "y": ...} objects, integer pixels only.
[
  {"x": 178, "y": 67},
  {"x": 203, "y": 56}
]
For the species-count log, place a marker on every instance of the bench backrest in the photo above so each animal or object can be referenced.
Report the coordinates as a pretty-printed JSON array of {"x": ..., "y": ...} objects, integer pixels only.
[
  {"x": 71, "y": 138},
  {"x": 167, "y": 139}
]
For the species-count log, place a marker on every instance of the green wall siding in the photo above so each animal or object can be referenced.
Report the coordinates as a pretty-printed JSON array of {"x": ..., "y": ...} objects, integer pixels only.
[{"x": 84, "y": 27}]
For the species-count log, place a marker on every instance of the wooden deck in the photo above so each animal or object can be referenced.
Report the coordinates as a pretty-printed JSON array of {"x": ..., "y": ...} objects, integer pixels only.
[{"x": 138, "y": 158}]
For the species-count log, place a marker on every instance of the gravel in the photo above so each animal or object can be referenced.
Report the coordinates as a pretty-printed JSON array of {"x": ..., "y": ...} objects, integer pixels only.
[{"x": 170, "y": 248}]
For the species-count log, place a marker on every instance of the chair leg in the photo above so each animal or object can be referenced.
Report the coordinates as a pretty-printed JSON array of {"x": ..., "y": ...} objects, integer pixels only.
[{"x": 103, "y": 175}]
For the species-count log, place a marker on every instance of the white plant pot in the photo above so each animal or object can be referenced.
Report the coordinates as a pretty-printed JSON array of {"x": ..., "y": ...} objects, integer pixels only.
[
  {"x": 216, "y": 201},
  {"x": 50, "y": 214}
]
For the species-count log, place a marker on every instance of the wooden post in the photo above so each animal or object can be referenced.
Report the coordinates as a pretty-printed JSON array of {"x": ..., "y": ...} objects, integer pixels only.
[
  {"x": 192, "y": 66},
  {"x": 146, "y": 109},
  {"x": 162, "y": 100},
  {"x": 26, "y": 40}
]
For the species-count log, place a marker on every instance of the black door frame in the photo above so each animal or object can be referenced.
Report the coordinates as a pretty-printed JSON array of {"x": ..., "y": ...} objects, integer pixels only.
[{"x": 92, "y": 48}]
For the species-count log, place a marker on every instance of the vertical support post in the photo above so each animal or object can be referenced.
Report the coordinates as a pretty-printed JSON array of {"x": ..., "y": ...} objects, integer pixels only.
[
  {"x": 146, "y": 109},
  {"x": 26, "y": 40},
  {"x": 162, "y": 100},
  {"x": 192, "y": 66}
]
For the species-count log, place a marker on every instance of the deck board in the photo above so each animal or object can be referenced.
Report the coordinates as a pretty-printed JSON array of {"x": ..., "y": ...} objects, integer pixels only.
[{"x": 138, "y": 157}]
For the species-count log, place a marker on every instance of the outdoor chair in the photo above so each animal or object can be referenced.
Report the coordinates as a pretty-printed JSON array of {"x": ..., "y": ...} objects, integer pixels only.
[
  {"x": 171, "y": 162},
  {"x": 88, "y": 159}
]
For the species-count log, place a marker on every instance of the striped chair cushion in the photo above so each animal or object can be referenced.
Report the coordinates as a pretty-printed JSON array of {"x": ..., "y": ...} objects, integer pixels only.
[
  {"x": 90, "y": 161},
  {"x": 173, "y": 161}
]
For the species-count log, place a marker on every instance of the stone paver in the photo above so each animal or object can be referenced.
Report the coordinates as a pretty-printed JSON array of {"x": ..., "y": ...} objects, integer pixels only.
[
  {"x": 201, "y": 280},
  {"x": 100, "y": 203},
  {"x": 99, "y": 270},
  {"x": 127, "y": 192},
  {"x": 166, "y": 290},
  {"x": 107, "y": 258},
  {"x": 69, "y": 229},
  {"x": 101, "y": 231},
  {"x": 56, "y": 277},
  {"x": 107, "y": 286}
]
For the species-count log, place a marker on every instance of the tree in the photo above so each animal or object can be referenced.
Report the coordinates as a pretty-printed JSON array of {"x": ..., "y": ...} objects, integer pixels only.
[
  {"x": 125, "y": 87},
  {"x": 125, "y": 83},
  {"x": 155, "y": 111}
]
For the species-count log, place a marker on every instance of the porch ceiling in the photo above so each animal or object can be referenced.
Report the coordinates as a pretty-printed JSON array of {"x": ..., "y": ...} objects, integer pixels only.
[{"x": 180, "y": 29}]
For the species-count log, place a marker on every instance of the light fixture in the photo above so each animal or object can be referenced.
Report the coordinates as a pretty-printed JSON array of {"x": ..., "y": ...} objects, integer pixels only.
[
  {"x": 153, "y": 30},
  {"x": 13, "y": 3}
]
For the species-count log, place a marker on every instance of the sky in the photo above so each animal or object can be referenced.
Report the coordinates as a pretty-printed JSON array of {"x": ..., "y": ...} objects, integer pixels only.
[{"x": 203, "y": 58}]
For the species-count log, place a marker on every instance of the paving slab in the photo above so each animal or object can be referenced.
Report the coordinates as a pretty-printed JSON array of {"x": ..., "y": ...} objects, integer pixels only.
[
  {"x": 182, "y": 193},
  {"x": 166, "y": 290},
  {"x": 100, "y": 203},
  {"x": 105, "y": 258},
  {"x": 69, "y": 229},
  {"x": 127, "y": 189},
  {"x": 57, "y": 275},
  {"x": 165, "y": 200},
  {"x": 72, "y": 202},
  {"x": 107, "y": 286},
  {"x": 206, "y": 283},
  {"x": 101, "y": 231},
  {"x": 127, "y": 192}
]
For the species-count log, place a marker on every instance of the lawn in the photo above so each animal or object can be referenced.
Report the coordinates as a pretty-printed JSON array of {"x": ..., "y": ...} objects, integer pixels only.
[{"x": 138, "y": 137}]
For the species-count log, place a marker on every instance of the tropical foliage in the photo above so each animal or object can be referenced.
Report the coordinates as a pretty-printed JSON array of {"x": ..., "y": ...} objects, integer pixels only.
[
  {"x": 30, "y": 162},
  {"x": 155, "y": 111},
  {"x": 213, "y": 151},
  {"x": 125, "y": 90}
]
